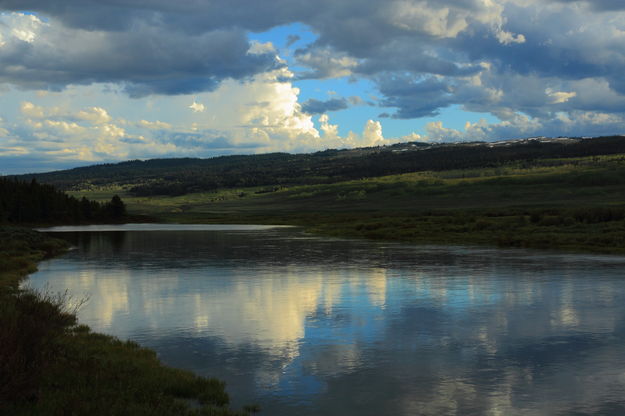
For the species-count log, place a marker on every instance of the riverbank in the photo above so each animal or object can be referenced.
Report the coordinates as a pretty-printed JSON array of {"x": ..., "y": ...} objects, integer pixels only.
[
  {"x": 597, "y": 230},
  {"x": 562, "y": 230},
  {"x": 51, "y": 365}
]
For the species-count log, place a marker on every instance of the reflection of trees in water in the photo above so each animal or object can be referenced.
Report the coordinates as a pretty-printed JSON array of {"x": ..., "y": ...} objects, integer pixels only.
[
  {"x": 97, "y": 244},
  {"x": 117, "y": 239},
  {"x": 281, "y": 247}
]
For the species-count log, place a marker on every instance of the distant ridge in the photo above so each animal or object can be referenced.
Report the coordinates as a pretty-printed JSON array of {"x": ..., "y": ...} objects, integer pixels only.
[{"x": 178, "y": 176}]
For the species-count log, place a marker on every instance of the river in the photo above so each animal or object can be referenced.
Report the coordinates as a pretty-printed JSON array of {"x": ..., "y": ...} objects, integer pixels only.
[{"x": 306, "y": 325}]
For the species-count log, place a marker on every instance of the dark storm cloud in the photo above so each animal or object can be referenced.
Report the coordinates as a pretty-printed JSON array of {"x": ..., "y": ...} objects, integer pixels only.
[
  {"x": 415, "y": 99},
  {"x": 145, "y": 60},
  {"x": 381, "y": 35},
  {"x": 186, "y": 16},
  {"x": 420, "y": 54},
  {"x": 313, "y": 106},
  {"x": 560, "y": 43},
  {"x": 416, "y": 62}
]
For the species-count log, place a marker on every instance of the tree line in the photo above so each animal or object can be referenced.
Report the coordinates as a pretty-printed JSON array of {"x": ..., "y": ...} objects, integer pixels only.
[
  {"x": 34, "y": 203},
  {"x": 187, "y": 175}
]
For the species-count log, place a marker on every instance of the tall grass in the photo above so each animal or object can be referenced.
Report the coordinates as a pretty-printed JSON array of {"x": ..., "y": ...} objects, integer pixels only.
[{"x": 31, "y": 326}]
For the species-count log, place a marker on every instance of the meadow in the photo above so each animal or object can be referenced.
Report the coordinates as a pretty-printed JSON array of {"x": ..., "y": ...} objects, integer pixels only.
[{"x": 565, "y": 203}]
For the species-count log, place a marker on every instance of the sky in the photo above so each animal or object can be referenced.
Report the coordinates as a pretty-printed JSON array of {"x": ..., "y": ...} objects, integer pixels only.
[{"x": 85, "y": 81}]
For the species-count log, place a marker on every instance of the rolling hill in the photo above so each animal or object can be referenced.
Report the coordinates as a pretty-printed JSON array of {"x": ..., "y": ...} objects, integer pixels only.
[{"x": 189, "y": 175}]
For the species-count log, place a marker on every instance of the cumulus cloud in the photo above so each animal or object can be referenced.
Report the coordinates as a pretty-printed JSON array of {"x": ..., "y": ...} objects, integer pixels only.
[
  {"x": 503, "y": 57},
  {"x": 95, "y": 115},
  {"x": 325, "y": 63},
  {"x": 573, "y": 124},
  {"x": 447, "y": 19},
  {"x": 197, "y": 107},
  {"x": 87, "y": 135},
  {"x": 371, "y": 135},
  {"x": 330, "y": 131},
  {"x": 33, "y": 111},
  {"x": 145, "y": 43},
  {"x": 154, "y": 125},
  {"x": 260, "y": 115},
  {"x": 540, "y": 67}
]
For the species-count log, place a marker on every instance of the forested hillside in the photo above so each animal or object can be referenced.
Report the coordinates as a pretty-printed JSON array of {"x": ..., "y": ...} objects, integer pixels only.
[
  {"x": 32, "y": 202},
  {"x": 182, "y": 176}
]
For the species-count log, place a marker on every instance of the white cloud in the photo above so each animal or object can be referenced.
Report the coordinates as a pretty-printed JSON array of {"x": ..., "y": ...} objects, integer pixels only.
[
  {"x": 508, "y": 38},
  {"x": 573, "y": 124},
  {"x": 559, "y": 97},
  {"x": 31, "y": 110},
  {"x": 330, "y": 131},
  {"x": 22, "y": 27},
  {"x": 62, "y": 127},
  {"x": 437, "y": 133},
  {"x": 94, "y": 115},
  {"x": 414, "y": 137},
  {"x": 260, "y": 115},
  {"x": 154, "y": 125},
  {"x": 261, "y": 48},
  {"x": 372, "y": 135},
  {"x": 263, "y": 113},
  {"x": 197, "y": 107},
  {"x": 326, "y": 63},
  {"x": 444, "y": 19},
  {"x": 434, "y": 21}
]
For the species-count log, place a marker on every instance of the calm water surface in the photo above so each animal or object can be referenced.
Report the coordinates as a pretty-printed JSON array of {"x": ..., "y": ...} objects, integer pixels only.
[{"x": 313, "y": 326}]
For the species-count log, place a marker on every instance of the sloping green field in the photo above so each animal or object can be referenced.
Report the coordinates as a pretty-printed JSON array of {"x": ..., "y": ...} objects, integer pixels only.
[{"x": 574, "y": 204}]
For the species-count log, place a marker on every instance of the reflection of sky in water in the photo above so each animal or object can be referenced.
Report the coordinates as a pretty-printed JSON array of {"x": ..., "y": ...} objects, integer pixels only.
[{"x": 321, "y": 326}]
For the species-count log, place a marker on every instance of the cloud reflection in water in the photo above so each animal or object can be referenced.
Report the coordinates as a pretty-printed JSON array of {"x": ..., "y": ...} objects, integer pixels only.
[{"x": 318, "y": 326}]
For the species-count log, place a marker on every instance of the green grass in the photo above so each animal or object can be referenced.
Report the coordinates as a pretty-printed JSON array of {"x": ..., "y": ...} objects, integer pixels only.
[
  {"x": 49, "y": 365},
  {"x": 20, "y": 250},
  {"x": 552, "y": 229},
  {"x": 474, "y": 206}
]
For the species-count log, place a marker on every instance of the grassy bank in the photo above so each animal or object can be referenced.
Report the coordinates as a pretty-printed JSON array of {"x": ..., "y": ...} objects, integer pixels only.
[
  {"x": 49, "y": 365},
  {"x": 569, "y": 204},
  {"x": 20, "y": 251},
  {"x": 549, "y": 229}
]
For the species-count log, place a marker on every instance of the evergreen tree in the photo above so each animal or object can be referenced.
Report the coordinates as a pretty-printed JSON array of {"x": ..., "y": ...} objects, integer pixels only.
[
  {"x": 116, "y": 208},
  {"x": 34, "y": 203}
]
